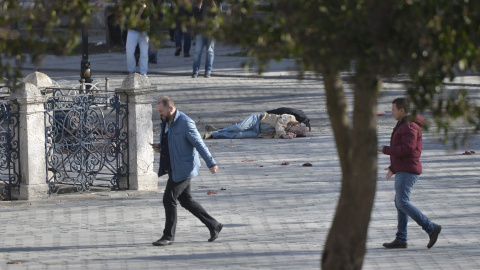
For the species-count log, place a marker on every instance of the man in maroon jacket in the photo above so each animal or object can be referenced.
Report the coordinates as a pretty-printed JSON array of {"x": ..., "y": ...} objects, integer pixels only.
[{"x": 404, "y": 151}]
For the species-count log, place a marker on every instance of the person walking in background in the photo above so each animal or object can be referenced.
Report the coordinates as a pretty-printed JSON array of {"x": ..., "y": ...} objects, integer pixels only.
[
  {"x": 138, "y": 24},
  {"x": 405, "y": 150},
  {"x": 182, "y": 27},
  {"x": 200, "y": 12},
  {"x": 154, "y": 44},
  {"x": 179, "y": 147}
]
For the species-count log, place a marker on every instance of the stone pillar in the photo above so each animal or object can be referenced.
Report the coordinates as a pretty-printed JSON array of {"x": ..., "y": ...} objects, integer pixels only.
[
  {"x": 32, "y": 141},
  {"x": 140, "y": 132}
]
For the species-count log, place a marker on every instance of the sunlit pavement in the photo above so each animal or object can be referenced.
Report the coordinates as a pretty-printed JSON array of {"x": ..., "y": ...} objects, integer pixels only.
[{"x": 276, "y": 216}]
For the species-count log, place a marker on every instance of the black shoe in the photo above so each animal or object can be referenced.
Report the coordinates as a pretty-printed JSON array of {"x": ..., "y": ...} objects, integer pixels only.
[
  {"x": 214, "y": 234},
  {"x": 177, "y": 51},
  {"x": 434, "y": 236},
  {"x": 395, "y": 244},
  {"x": 194, "y": 75},
  {"x": 186, "y": 55},
  {"x": 207, "y": 75},
  {"x": 162, "y": 242}
]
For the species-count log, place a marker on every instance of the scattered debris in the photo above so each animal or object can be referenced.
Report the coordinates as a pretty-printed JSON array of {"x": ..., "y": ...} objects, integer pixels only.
[
  {"x": 211, "y": 192},
  {"x": 285, "y": 163},
  {"x": 261, "y": 166},
  {"x": 223, "y": 188},
  {"x": 469, "y": 153},
  {"x": 307, "y": 164},
  {"x": 248, "y": 160},
  {"x": 380, "y": 112},
  {"x": 230, "y": 146},
  {"x": 14, "y": 262}
]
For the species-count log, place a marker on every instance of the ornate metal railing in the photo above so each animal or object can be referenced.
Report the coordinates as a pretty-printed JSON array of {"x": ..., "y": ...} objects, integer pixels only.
[
  {"x": 86, "y": 139},
  {"x": 9, "y": 148}
]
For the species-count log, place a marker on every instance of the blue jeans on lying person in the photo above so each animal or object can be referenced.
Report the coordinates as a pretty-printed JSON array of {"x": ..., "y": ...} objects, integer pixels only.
[{"x": 248, "y": 128}]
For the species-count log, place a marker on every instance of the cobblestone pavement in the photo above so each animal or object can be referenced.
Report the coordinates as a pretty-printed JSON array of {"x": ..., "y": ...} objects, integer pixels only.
[{"x": 276, "y": 216}]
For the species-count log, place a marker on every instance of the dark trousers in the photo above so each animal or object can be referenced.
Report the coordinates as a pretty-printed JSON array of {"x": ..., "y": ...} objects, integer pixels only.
[
  {"x": 181, "y": 191},
  {"x": 187, "y": 40}
]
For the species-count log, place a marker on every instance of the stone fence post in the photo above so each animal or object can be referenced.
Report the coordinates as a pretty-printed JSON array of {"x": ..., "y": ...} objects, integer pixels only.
[
  {"x": 32, "y": 141},
  {"x": 140, "y": 132}
]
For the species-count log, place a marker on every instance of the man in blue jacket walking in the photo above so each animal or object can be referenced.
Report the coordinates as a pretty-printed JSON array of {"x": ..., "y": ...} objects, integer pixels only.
[{"x": 179, "y": 147}]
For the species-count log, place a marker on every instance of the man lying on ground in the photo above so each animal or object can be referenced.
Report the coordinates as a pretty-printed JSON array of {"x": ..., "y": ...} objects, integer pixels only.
[{"x": 263, "y": 125}]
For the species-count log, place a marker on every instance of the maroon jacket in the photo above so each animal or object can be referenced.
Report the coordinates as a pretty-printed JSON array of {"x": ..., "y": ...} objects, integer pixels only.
[{"x": 406, "y": 146}]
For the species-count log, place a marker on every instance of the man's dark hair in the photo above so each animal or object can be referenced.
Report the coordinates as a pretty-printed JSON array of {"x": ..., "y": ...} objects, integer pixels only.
[
  {"x": 401, "y": 103},
  {"x": 166, "y": 102}
]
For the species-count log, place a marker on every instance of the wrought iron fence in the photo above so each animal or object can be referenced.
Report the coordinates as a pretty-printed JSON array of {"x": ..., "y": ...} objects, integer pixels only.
[
  {"x": 86, "y": 139},
  {"x": 9, "y": 148}
]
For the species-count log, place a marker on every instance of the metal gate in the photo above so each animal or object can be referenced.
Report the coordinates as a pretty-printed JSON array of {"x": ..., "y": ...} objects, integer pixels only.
[
  {"x": 86, "y": 140},
  {"x": 9, "y": 148}
]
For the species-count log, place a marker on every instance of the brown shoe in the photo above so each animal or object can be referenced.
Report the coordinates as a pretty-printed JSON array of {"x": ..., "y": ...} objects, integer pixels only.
[
  {"x": 434, "y": 236},
  {"x": 395, "y": 244}
]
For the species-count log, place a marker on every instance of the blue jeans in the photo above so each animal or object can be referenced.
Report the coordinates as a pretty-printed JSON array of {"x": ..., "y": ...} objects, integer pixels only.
[
  {"x": 134, "y": 37},
  {"x": 403, "y": 188},
  {"x": 187, "y": 40},
  {"x": 248, "y": 128},
  {"x": 200, "y": 42}
]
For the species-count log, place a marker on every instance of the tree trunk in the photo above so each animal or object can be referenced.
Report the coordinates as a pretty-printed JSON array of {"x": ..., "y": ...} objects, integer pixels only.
[{"x": 356, "y": 145}]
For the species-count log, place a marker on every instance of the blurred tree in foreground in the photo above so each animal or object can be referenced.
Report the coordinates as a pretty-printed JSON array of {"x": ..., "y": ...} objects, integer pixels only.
[
  {"x": 33, "y": 30},
  {"x": 428, "y": 40}
]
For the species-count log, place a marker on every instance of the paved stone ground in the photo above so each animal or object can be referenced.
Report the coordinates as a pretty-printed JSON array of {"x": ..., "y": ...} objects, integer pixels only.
[{"x": 275, "y": 216}]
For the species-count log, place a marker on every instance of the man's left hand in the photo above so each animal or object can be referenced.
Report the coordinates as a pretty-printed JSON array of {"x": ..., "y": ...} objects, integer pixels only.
[
  {"x": 213, "y": 169},
  {"x": 389, "y": 173},
  {"x": 289, "y": 135}
]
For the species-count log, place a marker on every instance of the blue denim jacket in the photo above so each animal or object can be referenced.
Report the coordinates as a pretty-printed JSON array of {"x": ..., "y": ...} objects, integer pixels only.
[{"x": 185, "y": 143}]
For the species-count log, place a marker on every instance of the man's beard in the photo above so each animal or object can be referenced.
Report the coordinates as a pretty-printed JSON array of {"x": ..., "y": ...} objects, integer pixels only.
[{"x": 168, "y": 117}]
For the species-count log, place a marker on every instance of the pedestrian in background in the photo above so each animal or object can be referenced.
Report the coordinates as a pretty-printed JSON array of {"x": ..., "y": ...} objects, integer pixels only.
[
  {"x": 405, "y": 150},
  {"x": 138, "y": 24},
  {"x": 156, "y": 17},
  {"x": 179, "y": 147},
  {"x": 183, "y": 28},
  {"x": 201, "y": 11}
]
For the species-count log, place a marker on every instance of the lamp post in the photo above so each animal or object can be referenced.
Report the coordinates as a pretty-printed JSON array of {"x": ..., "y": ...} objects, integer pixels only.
[{"x": 85, "y": 73}]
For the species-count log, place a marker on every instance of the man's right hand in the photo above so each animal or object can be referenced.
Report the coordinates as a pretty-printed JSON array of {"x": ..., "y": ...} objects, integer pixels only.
[{"x": 156, "y": 147}]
